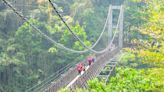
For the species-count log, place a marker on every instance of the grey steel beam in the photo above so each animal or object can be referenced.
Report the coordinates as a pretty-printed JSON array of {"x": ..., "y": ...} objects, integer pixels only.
[{"x": 116, "y": 7}]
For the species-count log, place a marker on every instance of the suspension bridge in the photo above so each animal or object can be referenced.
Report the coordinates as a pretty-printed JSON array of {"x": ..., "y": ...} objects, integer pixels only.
[{"x": 68, "y": 75}]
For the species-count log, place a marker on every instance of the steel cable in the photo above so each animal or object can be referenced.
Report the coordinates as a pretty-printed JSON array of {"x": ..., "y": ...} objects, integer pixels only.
[{"x": 61, "y": 46}]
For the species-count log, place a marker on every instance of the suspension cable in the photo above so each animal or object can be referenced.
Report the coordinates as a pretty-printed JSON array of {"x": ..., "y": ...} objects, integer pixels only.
[{"x": 61, "y": 46}]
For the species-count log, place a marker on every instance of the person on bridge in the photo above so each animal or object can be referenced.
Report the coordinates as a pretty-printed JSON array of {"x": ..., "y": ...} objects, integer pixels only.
[
  {"x": 80, "y": 67},
  {"x": 90, "y": 59}
]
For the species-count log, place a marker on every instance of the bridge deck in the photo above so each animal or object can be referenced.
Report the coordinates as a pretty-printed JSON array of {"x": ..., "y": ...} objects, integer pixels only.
[{"x": 72, "y": 80}]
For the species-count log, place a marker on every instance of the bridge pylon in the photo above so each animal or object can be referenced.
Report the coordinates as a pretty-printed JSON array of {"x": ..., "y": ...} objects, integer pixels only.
[{"x": 112, "y": 26}]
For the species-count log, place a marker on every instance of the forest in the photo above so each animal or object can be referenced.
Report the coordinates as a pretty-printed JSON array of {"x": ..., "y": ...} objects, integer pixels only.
[{"x": 27, "y": 58}]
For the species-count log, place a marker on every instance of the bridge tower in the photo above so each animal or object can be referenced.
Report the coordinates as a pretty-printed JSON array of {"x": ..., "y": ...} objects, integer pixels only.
[{"x": 112, "y": 26}]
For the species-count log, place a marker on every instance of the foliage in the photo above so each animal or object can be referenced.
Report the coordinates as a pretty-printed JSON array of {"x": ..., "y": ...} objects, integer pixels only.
[
  {"x": 95, "y": 85},
  {"x": 150, "y": 49},
  {"x": 129, "y": 79}
]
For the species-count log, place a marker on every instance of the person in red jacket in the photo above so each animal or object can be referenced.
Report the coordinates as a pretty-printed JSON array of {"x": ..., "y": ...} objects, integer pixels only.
[{"x": 80, "y": 67}]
